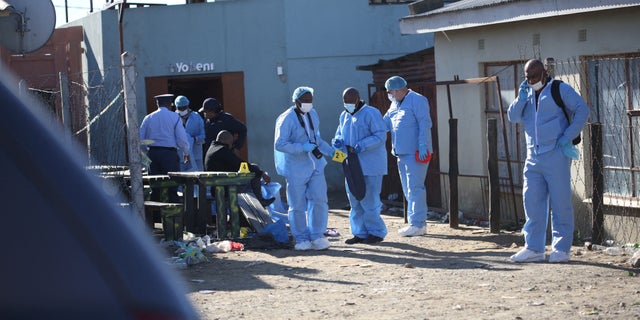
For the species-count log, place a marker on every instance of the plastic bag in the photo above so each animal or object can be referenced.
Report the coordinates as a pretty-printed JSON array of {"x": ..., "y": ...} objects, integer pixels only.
[
  {"x": 272, "y": 190},
  {"x": 278, "y": 230}
]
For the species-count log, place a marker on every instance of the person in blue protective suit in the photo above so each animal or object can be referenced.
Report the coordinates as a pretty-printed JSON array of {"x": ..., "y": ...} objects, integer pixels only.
[
  {"x": 165, "y": 129},
  {"x": 361, "y": 127},
  {"x": 298, "y": 153},
  {"x": 194, "y": 126},
  {"x": 409, "y": 121},
  {"x": 547, "y": 171}
]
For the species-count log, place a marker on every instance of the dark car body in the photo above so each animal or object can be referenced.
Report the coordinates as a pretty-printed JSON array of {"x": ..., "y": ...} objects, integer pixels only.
[{"x": 68, "y": 250}]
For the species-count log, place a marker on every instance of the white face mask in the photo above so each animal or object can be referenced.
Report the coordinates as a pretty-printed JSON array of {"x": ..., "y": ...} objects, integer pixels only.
[
  {"x": 391, "y": 98},
  {"x": 536, "y": 86},
  {"x": 350, "y": 107},
  {"x": 183, "y": 113},
  {"x": 306, "y": 107}
]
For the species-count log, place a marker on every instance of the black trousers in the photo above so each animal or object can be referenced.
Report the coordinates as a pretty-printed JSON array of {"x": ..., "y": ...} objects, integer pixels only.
[{"x": 164, "y": 160}]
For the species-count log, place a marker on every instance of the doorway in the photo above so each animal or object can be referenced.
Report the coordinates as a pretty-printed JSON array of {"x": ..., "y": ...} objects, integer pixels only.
[{"x": 228, "y": 88}]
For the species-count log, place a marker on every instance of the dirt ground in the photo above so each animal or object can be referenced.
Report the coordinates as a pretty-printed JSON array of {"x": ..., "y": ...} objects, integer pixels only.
[{"x": 449, "y": 273}]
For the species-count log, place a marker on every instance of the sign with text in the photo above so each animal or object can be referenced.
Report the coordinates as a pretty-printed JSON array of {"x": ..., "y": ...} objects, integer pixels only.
[{"x": 184, "y": 67}]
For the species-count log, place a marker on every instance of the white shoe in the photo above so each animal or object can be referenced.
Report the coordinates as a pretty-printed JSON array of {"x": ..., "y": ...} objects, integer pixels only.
[
  {"x": 559, "y": 256},
  {"x": 412, "y": 231},
  {"x": 526, "y": 255},
  {"x": 320, "y": 244},
  {"x": 303, "y": 246}
]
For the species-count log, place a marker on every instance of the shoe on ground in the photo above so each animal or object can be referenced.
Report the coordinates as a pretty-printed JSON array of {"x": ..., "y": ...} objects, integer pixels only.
[
  {"x": 303, "y": 246},
  {"x": 372, "y": 239},
  {"x": 559, "y": 256},
  {"x": 320, "y": 244},
  {"x": 266, "y": 202},
  {"x": 526, "y": 255},
  {"x": 354, "y": 240},
  {"x": 412, "y": 231}
]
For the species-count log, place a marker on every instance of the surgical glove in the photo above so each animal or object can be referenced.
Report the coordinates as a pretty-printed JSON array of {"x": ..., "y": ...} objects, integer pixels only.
[
  {"x": 523, "y": 94},
  {"x": 308, "y": 146},
  {"x": 562, "y": 141},
  {"x": 357, "y": 149},
  {"x": 338, "y": 143},
  {"x": 422, "y": 152},
  {"x": 570, "y": 151}
]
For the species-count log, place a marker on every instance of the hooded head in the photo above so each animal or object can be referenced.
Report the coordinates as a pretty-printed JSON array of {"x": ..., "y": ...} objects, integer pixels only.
[
  {"x": 303, "y": 99},
  {"x": 299, "y": 92},
  {"x": 181, "y": 102},
  {"x": 395, "y": 83}
]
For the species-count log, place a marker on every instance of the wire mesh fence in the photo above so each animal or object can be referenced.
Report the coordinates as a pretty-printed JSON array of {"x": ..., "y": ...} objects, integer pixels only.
[
  {"x": 96, "y": 108},
  {"x": 610, "y": 85},
  {"x": 90, "y": 104}
]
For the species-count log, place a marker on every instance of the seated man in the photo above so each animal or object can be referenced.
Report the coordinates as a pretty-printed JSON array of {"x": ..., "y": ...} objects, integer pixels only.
[{"x": 220, "y": 157}]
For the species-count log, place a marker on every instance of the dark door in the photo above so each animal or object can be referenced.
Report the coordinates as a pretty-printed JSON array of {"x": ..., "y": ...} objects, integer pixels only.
[{"x": 228, "y": 88}]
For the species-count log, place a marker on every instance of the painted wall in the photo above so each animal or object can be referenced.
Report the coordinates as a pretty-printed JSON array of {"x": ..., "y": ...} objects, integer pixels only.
[
  {"x": 457, "y": 53},
  {"x": 319, "y": 44}
]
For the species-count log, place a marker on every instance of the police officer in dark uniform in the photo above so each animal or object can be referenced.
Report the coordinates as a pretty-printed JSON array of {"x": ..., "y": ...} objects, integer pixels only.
[
  {"x": 218, "y": 120},
  {"x": 220, "y": 157}
]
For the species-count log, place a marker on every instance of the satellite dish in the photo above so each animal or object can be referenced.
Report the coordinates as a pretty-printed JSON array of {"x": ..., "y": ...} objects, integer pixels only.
[{"x": 26, "y": 25}]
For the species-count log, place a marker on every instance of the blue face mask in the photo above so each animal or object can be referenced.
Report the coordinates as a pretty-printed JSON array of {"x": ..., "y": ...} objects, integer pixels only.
[{"x": 350, "y": 107}]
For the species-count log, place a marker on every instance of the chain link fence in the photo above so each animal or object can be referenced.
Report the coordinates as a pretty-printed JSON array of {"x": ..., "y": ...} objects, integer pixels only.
[{"x": 611, "y": 87}]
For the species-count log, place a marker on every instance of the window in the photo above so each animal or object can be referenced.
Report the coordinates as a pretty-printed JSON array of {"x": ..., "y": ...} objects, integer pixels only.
[
  {"x": 512, "y": 154},
  {"x": 614, "y": 86}
]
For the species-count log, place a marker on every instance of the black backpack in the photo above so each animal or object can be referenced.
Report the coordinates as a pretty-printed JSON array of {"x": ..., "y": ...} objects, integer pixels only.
[{"x": 555, "y": 93}]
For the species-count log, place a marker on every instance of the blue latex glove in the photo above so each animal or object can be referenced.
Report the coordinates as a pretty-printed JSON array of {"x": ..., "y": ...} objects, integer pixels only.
[
  {"x": 357, "y": 149},
  {"x": 562, "y": 141},
  {"x": 422, "y": 152},
  {"x": 571, "y": 151},
  {"x": 338, "y": 143},
  {"x": 523, "y": 94},
  {"x": 308, "y": 146}
]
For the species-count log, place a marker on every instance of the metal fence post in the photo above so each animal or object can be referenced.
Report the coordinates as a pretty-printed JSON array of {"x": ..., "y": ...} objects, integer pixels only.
[
  {"x": 131, "y": 117},
  {"x": 494, "y": 179},
  {"x": 597, "y": 221}
]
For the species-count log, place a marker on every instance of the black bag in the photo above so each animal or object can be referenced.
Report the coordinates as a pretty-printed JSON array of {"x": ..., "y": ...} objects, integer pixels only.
[
  {"x": 353, "y": 174},
  {"x": 555, "y": 93}
]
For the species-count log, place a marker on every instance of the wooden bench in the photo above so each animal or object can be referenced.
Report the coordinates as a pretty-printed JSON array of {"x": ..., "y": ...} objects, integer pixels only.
[{"x": 172, "y": 215}]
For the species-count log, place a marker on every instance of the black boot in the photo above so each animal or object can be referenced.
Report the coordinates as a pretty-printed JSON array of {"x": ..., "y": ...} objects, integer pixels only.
[{"x": 257, "y": 191}]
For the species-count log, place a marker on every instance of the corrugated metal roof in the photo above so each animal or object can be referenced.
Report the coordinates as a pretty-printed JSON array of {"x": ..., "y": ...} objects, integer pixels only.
[{"x": 474, "y": 13}]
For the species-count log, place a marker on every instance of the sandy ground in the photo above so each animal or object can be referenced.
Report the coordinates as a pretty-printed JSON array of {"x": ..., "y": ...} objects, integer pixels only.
[{"x": 449, "y": 273}]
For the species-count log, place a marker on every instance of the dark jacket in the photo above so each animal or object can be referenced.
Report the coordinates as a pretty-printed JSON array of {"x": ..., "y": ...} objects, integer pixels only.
[
  {"x": 220, "y": 158},
  {"x": 224, "y": 121}
]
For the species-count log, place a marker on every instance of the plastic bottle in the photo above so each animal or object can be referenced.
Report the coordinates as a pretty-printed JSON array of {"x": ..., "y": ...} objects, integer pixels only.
[
  {"x": 200, "y": 243},
  {"x": 614, "y": 251}
]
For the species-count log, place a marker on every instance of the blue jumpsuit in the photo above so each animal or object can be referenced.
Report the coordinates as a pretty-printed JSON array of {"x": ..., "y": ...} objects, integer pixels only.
[
  {"x": 410, "y": 125},
  {"x": 194, "y": 126},
  {"x": 547, "y": 171},
  {"x": 304, "y": 173},
  {"x": 366, "y": 129}
]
